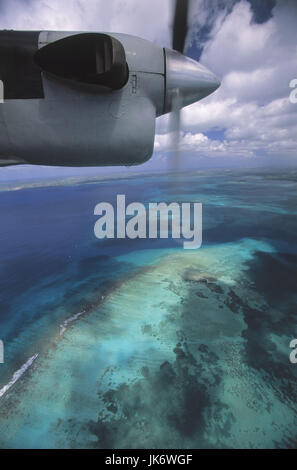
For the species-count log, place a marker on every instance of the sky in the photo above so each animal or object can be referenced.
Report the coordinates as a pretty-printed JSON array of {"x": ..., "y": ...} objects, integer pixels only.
[{"x": 250, "y": 44}]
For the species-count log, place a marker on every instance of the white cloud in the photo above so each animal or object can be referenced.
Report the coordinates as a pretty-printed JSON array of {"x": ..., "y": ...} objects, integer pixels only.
[
  {"x": 200, "y": 144},
  {"x": 238, "y": 43},
  {"x": 148, "y": 19},
  {"x": 256, "y": 63}
]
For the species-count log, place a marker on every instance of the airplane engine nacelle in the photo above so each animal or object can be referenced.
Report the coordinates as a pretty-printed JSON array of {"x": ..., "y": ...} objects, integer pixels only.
[
  {"x": 82, "y": 99},
  {"x": 89, "y": 99}
]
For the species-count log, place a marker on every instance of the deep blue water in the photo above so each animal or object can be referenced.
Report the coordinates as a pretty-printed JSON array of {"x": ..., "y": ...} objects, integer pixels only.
[
  {"x": 51, "y": 258},
  {"x": 52, "y": 266}
]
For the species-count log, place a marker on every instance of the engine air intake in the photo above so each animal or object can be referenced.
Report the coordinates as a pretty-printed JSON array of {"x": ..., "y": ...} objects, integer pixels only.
[{"x": 91, "y": 59}]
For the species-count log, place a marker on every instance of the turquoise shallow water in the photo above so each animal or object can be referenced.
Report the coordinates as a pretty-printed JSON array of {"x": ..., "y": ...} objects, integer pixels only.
[{"x": 163, "y": 347}]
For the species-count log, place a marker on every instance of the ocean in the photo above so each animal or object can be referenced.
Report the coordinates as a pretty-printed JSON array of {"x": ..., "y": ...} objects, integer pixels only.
[{"x": 124, "y": 343}]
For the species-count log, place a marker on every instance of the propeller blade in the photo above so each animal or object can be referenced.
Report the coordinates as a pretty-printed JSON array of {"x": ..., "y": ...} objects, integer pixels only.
[
  {"x": 180, "y": 25},
  {"x": 174, "y": 128},
  {"x": 180, "y": 30}
]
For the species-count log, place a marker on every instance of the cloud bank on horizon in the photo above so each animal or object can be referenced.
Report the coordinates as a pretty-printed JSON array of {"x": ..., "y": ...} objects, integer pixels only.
[{"x": 250, "y": 44}]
